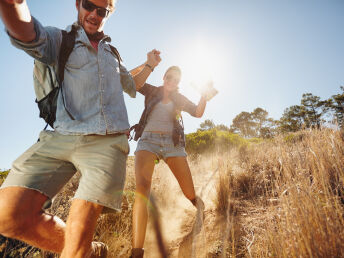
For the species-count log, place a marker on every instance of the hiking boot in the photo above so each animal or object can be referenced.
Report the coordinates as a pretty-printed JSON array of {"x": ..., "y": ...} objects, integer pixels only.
[
  {"x": 198, "y": 224},
  {"x": 198, "y": 203},
  {"x": 137, "y": 253},
  {"x": 99, "y": 250}
]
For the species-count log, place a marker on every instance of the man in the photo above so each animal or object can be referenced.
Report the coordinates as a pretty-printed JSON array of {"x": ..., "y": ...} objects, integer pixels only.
[{"x": 94, "y": 141}]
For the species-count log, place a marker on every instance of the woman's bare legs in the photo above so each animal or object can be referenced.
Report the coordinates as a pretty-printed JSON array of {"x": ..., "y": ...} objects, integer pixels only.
[
  {"x": 144, "y": 166},
  {"x": 180, "y": 168}
]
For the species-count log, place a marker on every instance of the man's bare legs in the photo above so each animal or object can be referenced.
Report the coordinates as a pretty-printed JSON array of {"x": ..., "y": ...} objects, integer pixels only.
[
  {"x": 81, "y": 223},
  {"x": 22, "y": 217}
]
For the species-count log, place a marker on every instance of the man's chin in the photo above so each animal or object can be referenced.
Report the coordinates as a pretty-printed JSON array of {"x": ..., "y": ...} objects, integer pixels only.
[{"x": 90, "y": 30}]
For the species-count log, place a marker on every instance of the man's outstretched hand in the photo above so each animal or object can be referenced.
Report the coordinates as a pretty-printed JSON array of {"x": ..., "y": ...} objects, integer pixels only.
[
  {"x": 13, "y": 1},
  {"x": 153, "y": 58},
  {"x": 17, "y": 19}
]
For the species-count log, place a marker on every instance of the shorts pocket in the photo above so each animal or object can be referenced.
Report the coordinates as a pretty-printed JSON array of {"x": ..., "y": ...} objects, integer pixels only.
[
  {"x": 121, "y": 143},
  {"x": 45, "y": 135}
]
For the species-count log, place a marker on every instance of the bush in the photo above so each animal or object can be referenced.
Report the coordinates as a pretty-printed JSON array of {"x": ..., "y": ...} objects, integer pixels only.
[
  {"x": 213, "y": 140},
  {"x": 3, "y": 175}
]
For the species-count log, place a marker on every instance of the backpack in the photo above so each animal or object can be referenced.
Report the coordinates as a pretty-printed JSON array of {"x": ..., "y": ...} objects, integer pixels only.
[{"x": 47, "y": 84}]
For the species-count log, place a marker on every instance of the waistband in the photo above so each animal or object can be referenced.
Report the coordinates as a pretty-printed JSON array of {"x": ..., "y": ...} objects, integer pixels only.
[{"x": 159, "y": 134}]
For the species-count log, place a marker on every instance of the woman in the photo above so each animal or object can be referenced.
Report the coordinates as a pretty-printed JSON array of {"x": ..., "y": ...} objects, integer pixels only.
[{"x": 161, "y": 137}]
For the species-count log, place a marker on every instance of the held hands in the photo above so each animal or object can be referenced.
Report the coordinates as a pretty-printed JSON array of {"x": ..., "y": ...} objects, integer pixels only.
[{"x": 153, "y": 58}]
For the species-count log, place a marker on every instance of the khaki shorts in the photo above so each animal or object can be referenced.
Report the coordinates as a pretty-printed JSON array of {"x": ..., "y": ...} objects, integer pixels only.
[{"x": 53, "y": 160}]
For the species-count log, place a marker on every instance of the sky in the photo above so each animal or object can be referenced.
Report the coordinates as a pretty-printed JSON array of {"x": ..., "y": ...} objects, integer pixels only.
[{"x": 259, "y": 53}]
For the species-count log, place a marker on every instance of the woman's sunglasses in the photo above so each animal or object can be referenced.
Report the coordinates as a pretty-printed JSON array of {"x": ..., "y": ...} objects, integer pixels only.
[{"x": 89, "y": 6}]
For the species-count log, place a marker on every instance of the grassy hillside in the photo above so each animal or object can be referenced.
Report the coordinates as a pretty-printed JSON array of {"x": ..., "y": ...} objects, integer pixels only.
[
  {"x": 284, "y": 198},
  {"x": 276, "y": 198}
]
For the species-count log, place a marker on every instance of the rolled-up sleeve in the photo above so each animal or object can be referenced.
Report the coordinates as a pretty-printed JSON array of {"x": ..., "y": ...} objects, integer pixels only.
[
  {"x": 45, "y": 46},
  {"x": 184, "y": 104},
  {"x": 127, "y": 82},
  {"x": 146, "y": 89}
]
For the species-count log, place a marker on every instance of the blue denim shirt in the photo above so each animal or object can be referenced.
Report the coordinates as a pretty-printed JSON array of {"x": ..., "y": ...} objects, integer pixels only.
[{"x": 93, "y": 88}]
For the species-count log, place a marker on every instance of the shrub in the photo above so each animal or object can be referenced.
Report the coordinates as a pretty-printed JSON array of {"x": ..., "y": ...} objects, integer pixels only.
[{"x": 3, "y": 175}]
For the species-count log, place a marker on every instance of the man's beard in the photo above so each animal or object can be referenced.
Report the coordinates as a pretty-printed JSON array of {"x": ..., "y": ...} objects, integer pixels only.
[{"x": 94, "y": 36}]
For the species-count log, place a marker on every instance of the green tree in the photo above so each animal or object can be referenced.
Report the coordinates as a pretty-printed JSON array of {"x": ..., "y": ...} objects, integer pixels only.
[
  {"x": 336, "y": 104},
  {"x": 243, "y": 124},
  {"x": 264, "y": 126},
  {"x": 314, "y": 110},
  {"x": 292, "y": 119},
  {"x": 222, "y": 127},
  {"x": 254, "y": 124},
  {"x": 207, "y": 125}
]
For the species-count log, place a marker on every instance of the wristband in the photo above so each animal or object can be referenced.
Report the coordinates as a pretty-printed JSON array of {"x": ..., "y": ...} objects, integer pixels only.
[{"x": 150, "y": 67}]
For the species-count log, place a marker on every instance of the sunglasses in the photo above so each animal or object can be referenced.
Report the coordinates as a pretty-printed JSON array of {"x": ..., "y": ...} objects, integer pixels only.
[
  {"x": 89, "y": 6},
  {"x": 172, "y": 77}
]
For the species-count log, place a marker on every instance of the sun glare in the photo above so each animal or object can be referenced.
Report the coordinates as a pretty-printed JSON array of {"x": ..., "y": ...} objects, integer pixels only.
[{"x": 200, "y": 64}]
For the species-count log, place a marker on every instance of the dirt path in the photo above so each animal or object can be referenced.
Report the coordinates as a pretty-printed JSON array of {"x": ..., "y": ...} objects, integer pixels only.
[{"x": 185, "y": 230}]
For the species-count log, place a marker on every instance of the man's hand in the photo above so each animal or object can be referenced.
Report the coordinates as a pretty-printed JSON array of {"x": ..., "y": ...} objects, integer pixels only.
[
  {"x": 153, "y": 58},
  {"x": 13, "y": 1},
  {"x": 140, "y": 74},
  {"x": 17, "y": 19}
]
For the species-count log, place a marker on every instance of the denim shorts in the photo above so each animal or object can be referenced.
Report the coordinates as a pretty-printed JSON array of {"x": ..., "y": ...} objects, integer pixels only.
[
  {"x": 49, "y": 164},
  {"x": 160, "y": 144}
]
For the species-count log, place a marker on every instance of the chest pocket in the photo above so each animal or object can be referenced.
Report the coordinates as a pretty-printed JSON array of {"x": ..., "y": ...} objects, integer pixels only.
[
  {"x": 79, "y": 56},
  {"x": 111, "y": 59}
]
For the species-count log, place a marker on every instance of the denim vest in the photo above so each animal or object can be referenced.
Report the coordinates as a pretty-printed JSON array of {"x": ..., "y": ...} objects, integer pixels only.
[{"x": 154, "y": 95}]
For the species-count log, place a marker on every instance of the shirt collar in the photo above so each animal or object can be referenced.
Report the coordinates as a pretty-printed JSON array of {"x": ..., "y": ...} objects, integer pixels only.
[{"x": 101, "y": 36}]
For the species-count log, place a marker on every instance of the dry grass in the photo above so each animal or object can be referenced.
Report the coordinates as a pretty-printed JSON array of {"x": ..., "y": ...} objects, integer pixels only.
[
  {"x": 279, "y": 198},
  {"x": 296, "y": 185}
]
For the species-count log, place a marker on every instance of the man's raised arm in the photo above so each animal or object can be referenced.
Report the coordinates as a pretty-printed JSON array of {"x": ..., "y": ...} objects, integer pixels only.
[
  {"x": 16, "y": 16},
  {"x": 141, "y": 73}
]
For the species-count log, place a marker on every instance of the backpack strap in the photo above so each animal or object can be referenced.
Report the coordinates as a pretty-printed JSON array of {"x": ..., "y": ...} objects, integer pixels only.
[
  {"x": 115, "y": 51},
  {"x": 67, "y": 46}
]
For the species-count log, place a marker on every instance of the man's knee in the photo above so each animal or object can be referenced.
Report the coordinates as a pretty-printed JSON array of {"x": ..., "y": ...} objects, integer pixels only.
[
  {"x": 16, "y": 215},
  {"x": 12, "y": 223}
]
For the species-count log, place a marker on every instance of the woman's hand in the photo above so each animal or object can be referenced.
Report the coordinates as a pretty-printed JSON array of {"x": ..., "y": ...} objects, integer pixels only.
[
  {"x": 209, "y": 91},
  {"x": 206, "y": 89}
]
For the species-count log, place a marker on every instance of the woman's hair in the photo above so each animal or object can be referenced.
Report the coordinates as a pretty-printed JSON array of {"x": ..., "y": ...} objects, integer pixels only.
[
  {"x": 173, "y": 68},
  {"x": 111, "y": 4}
]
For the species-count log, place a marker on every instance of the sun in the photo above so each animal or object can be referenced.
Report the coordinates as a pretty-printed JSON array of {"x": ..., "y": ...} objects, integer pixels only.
[{"x": 200, "y": 63}]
